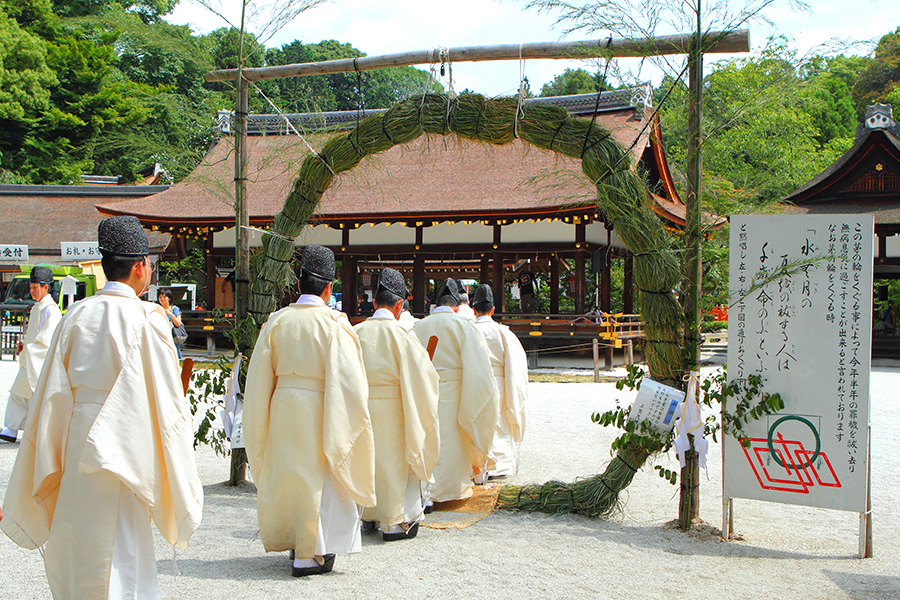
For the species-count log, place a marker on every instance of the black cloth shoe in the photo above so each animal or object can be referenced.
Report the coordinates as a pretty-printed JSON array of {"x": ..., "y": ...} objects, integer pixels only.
[
  {"x": 8, "y": 438},
  {"x": 403, "y": 535},
  {"x": 325, "y": 567},
  {"x": 429, "y": 508},
  {"x": 368, "y": 525}
]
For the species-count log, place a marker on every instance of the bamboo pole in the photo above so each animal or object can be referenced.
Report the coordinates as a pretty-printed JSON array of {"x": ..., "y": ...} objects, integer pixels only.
[
  {"x": 718, "y": 41},
  {"x": 238, "y": 470},
  {"x": 689, "y": 502}
]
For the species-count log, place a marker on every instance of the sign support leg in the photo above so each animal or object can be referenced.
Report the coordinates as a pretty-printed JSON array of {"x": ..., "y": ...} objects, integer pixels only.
[
  {"x": 865, "y": 518},
  {"x": 727, "y": 518}
]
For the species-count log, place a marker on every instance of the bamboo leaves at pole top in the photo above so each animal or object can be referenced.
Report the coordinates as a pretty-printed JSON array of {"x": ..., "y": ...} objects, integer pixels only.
[{"x": 622, "y": 197}]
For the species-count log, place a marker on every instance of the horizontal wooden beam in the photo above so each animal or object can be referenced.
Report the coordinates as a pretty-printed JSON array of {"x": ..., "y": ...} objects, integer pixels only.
[{"x": 718, "y": 42}]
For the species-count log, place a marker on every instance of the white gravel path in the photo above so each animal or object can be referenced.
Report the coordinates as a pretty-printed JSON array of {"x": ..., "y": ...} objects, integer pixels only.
[{"x": 786, "y": 551}]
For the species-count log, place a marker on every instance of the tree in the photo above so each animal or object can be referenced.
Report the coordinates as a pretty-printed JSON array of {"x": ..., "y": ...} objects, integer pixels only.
[
  {"x": 575, "y": 81},
  {"x": 881, "y": 78},
  {"x": 339, "y": 91}
]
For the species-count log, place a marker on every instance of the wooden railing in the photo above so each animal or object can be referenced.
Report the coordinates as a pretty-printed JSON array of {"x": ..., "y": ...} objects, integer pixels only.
[
  {"x": 12, "y": 328},
  {"x": 612, "y": 327}
]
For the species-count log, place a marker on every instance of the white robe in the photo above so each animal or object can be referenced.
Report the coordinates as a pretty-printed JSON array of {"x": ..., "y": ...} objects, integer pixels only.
[
  {"x": 42, "y": 322},
  {"x": 468, "y": 401},
  {"x": 465, "y": 311},
  {"x": 108, "y": 446},
  {"x": 403, "y": 402},
  {"x": 307, "y": 431},
  {"x": 407, "y": 321},
  {"x": 510, "y": 366}
]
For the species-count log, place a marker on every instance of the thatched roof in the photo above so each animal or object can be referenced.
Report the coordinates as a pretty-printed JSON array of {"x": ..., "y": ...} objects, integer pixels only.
[
  {"x": 43, "y": 216},
  {"x": 431, "y": 179}
]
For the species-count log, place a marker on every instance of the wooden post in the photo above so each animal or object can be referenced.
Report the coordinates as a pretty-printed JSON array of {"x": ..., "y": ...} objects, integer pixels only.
[
  {"x": 210, "y": 260},
  {"x": 420, "y": 285},
  {"x": 554, "y": 284},
  {"x": 579, "y": 268},
  {"x": 606, "y": 284},
  {"x": 628, "y": 287},
  {"x": 727, "y": 518},
  {"x": 865, "y": 519},
  {"x": 689, "y": 501},
  {"x": 595, "y": 346},
  {"x": 629, "y": 352},
  {"x": 485, "y": 274},
  {"x": 499, "y": 277},
  {"x": 608, "y": 357}
]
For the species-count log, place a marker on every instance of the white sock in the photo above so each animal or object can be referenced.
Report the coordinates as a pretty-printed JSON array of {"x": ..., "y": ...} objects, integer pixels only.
[{"x": 303, "y": 563}]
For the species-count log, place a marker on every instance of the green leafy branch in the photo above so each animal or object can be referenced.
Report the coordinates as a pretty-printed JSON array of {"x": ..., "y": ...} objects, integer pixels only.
[
  {"x": 751, "y": 404},
  {"x": 735, "y": 404}
]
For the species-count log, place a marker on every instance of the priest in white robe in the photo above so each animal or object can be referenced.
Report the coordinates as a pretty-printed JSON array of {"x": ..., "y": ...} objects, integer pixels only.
[
  {"x": 403, "y": 403},
  {"x": 464, "y": 310},
  {"x": 306, "y": 426},
  {"x": 468, "y": 401},
  {"x": 108, "y": 444},
  {"x": 42, "y": 322},
  {"x": 406, "y": 319},
  {"x": 510, "y": 366}
]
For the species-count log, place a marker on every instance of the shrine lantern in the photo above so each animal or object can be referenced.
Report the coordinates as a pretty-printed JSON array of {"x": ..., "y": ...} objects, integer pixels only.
[
  {"x": 366, "y": 279},
  {"x": 570, "y": 285}
]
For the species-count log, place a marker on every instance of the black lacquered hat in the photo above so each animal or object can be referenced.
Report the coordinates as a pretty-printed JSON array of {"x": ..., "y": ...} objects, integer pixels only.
[
  {"x": 122, "y": 236},
  {"x": 42, "y": 275},
  {"x": 483, "y": 296},
  {"x": 448, "y": 287},
  {"x": 392, "y": 281},
  {"x": 318, "y": 261}
]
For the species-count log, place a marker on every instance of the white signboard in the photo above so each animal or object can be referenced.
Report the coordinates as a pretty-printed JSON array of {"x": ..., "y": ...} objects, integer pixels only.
[
  {"x": 13, "y": 252},
  {"x": 808, "y": 333},
  {"x": 80, "y": 250}
]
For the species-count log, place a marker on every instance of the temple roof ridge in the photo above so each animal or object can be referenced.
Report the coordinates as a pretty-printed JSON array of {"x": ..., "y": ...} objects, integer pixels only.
[{"x": 577, "y": 104}]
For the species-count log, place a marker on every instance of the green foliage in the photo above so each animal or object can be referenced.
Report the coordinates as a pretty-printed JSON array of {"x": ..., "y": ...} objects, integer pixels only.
[
  {"x": 205, "y": 395},
  {"x": 741, "y": 401},
  {"x": 25, "y": 77},
  {"x": 738, "y": 402},
  {"x": 575, "y": 81},
  {"x": 771, "y": 123},
  {"x": 339, "y": 91},
  {"x": 187, "y": 270},
  {"x": 881, "y": 78},
  {"x": 119, "y": 90}
]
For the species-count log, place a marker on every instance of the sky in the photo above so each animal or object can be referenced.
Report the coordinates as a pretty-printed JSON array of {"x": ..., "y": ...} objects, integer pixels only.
[{"x": 379, "y": 27}]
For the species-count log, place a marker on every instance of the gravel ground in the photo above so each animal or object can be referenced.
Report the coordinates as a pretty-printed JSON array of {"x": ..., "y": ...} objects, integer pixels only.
[{"x": 784, "y": 551}]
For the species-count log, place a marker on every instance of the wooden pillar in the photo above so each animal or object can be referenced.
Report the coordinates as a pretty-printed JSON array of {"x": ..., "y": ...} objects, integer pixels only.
[
  {"x": 628, "y": 287},
  {"x": 554, "y": 284},
  {"x": 420, "y": 285},
  {"x": 485, "y": 275},
  {"x": 498, "y": 275},
  {"x": 211, "y": 288},
  {"x": 579, "y": 268},
  {"x": 348, "y": 276},
  {"x": 882, "y": 245},
  {"x": 606, "y": 283}
]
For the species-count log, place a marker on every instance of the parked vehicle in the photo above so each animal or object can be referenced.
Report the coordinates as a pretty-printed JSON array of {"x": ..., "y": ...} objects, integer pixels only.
[{"x": 83, "y": 285}]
